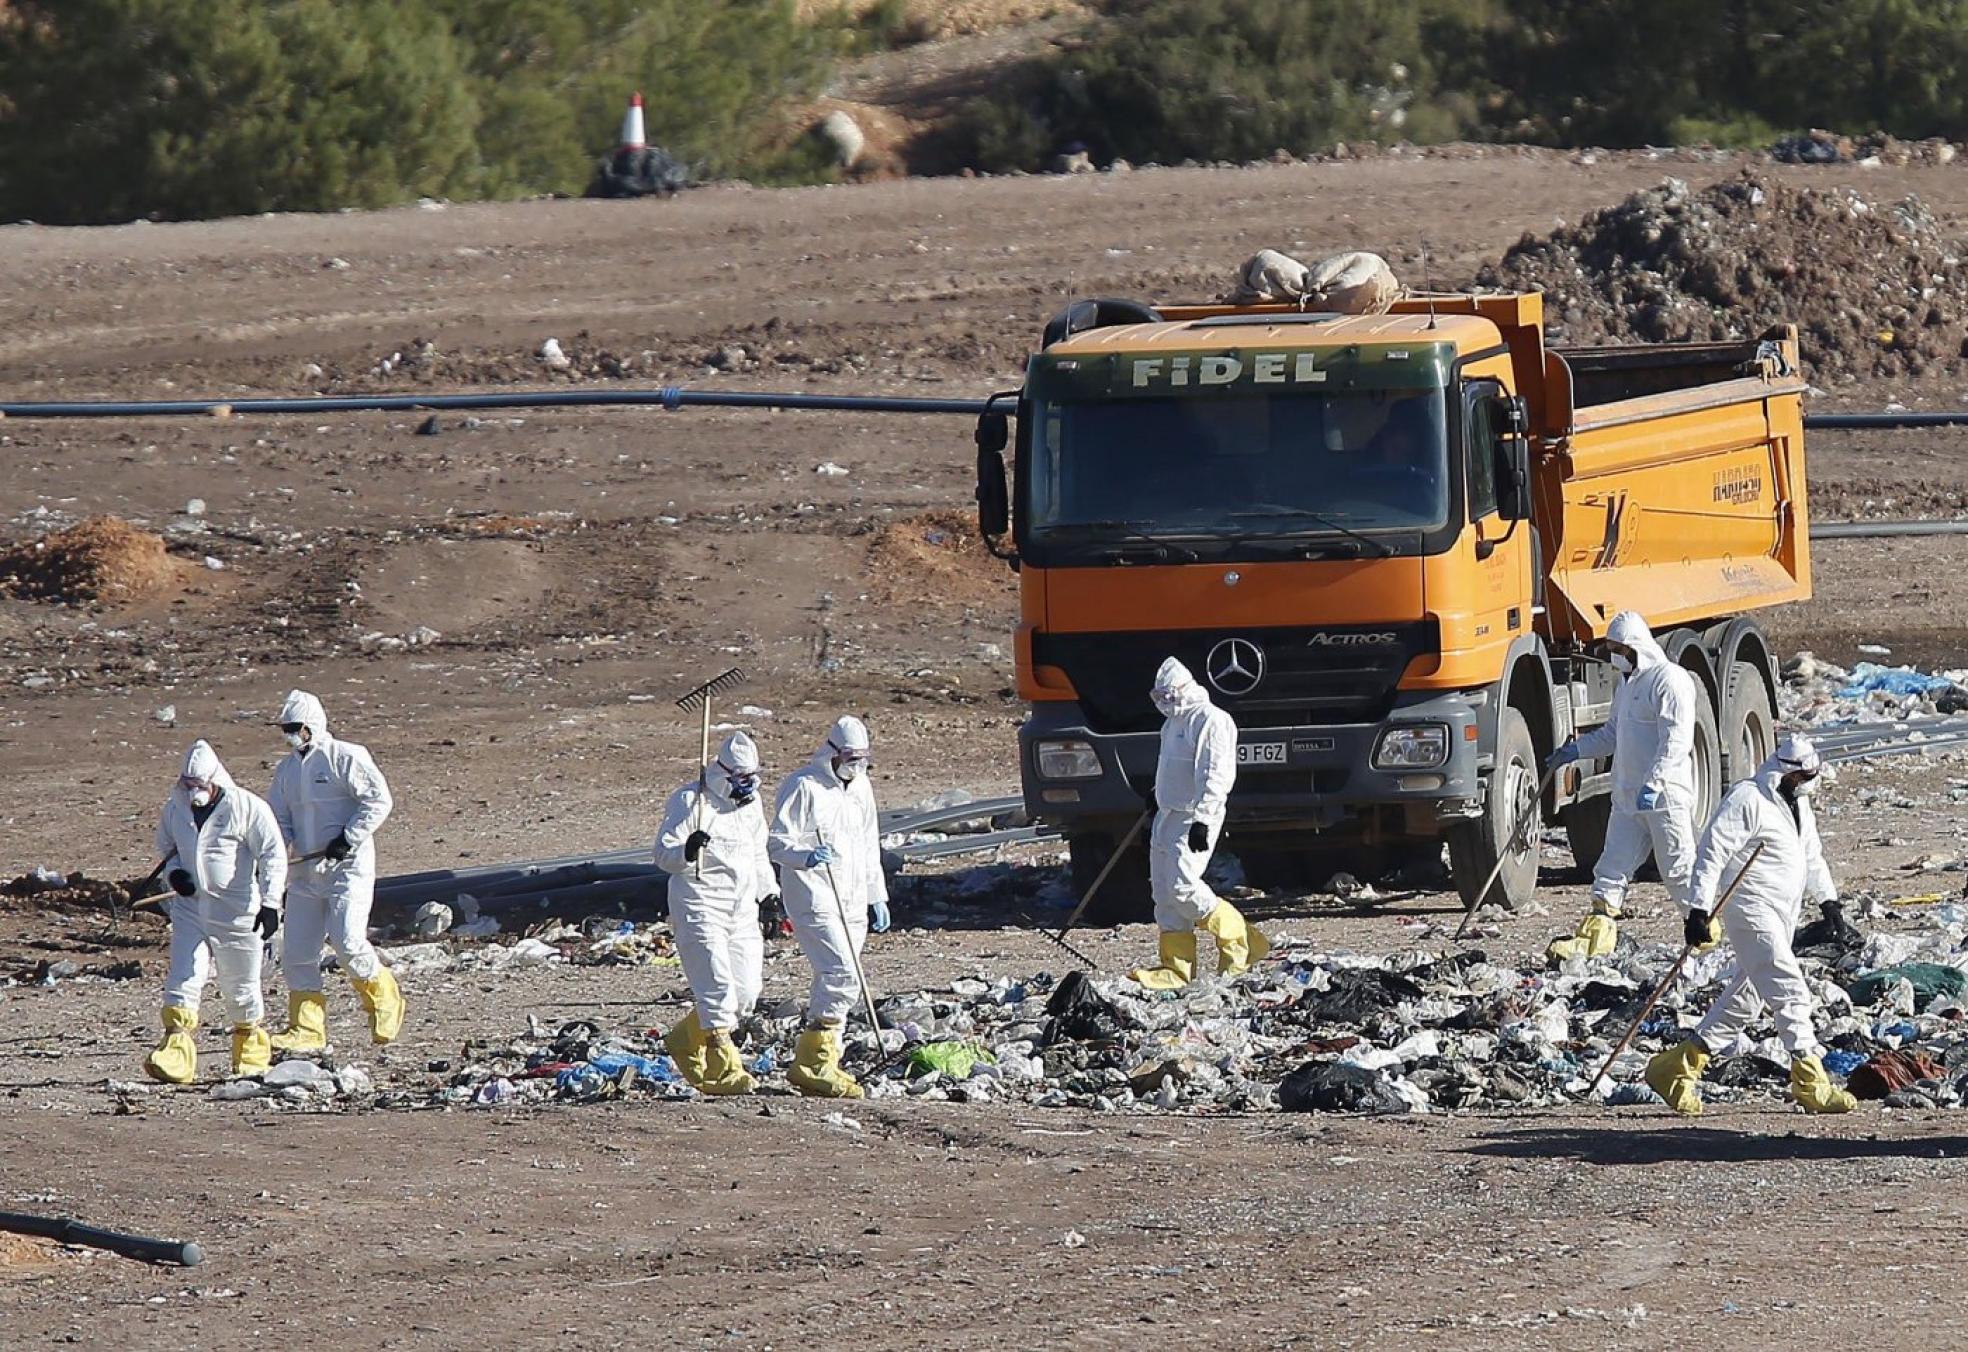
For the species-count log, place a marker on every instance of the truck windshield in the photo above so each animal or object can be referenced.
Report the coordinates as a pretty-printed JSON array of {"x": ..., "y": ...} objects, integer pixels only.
[{"x": 1353, "y": 461}]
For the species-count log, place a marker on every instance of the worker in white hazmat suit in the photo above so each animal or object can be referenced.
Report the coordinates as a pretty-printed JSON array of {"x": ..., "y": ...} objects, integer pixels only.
[
  {"x": 1771, "y": 810},
  {"x": 228, "y": 866},
  {"x": 1651, "y": 738},
  {"x": 1193, "y": 778},
  {"x": 330, "y": 799},
  {"x": 827, "y": 843},
  {"x": 712, "y": 844}
]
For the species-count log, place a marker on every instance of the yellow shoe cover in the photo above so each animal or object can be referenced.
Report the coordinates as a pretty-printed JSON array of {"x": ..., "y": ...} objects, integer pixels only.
[
  {"x": 1813, "y": 1089},
  {"x": 724, "y": 1070},
  {"x": 176, "y": 1059},
  {"x": 1178, "y": 962},
  {"x": 1674, "y": 1075},
  {"x": 252, "y": 1049},
  {"x": 815, "y": 1070},
  {"x": 1597, "y": 934},
  {"x": 384, "y": 1001},
  {"x": 685, "y": 1043},
  {"x": 1239, "y": 944},
  {"x": 307, "y": 1023}
]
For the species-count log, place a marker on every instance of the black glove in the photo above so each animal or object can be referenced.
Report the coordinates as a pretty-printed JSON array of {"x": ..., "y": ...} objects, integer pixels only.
[
  {"x": 1698, "y": 929},
  {"x": 182, "y": 884},
  {"x": 1198, "y": 837},
  {"x": 695, "y": 845},
  {"x": 266, "y": 920},
  {"x": 339, "y": 848}
]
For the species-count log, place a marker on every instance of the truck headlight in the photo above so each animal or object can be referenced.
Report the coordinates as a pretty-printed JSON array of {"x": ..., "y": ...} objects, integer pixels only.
[
  {"x": 1068, "y": 760},
  {"x": 1415, "y": 746}
]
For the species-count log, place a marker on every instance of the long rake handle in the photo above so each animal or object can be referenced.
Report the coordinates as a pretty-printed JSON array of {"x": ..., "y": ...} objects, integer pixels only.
[
  {"x": 847, "y": 933},
  {"x": 1674, "y": 973},
  {"x": 1503, "y": 856}
]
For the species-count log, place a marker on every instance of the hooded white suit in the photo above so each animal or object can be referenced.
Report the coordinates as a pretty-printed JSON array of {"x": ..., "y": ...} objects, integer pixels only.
[
  {"x": 816, "y": 806},
  {"x": 1762, "y": 913},
  {"x": 239, "y": 864},
  {"x": 1193, "y": 778},
  {"x": 714, "y": 902},
  {"x": 1651, "y": 738},
  {"x": 328, "y": 788}
]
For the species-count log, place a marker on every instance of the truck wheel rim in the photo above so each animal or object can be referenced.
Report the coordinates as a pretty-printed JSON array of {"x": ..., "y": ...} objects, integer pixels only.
[{"x": 1523, "y": 802}]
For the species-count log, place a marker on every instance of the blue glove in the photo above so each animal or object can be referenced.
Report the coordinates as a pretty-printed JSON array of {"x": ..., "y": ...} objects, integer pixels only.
[
  {"x": 1648, "y": 800},
  {"x": 878, "y": 917},
  {"x": 1564, "y": 755},
  {"x": 820, "y": 857}
]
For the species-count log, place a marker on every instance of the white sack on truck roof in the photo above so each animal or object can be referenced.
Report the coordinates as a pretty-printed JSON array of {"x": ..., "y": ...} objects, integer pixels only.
[{"x": 1352, "y": 283}]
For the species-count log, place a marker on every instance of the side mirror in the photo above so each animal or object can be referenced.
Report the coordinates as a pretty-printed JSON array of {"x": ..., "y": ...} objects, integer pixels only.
[
  {"x": 993, "y": 491},
  {"x": 1514, "y": 486}
]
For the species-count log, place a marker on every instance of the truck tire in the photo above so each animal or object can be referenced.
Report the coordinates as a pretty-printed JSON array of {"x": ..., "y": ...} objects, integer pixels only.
[
  {"x": 1476, "y": 845},
  {"x": 1123, "y": 898},
  {"x": 1708, "y": 763},
  {"x": 1748, "y": 731}
]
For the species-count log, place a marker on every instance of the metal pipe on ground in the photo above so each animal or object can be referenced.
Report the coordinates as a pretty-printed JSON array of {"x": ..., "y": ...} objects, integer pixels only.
[
  {"x": 1882, "y": 530},
  {"x": 667, "y": 396}
]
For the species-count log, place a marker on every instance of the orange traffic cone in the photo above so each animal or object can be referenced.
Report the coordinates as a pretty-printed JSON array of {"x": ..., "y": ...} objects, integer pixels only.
[{"x": 633, "y": 135}]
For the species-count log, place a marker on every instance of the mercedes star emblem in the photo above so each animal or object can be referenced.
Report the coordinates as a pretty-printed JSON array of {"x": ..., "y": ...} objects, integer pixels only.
[{"x": 1235, "y": 666}]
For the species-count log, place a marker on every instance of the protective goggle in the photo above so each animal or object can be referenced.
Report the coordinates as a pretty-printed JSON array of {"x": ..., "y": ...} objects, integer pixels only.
[
  {"x": 192, "y": 784},
  {"x": 293, "y": 729},
  {"x": 849, "y": 755}
]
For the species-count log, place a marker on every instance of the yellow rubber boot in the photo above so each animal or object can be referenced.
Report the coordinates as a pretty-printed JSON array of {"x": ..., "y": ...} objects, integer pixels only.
[
  {"x": 252, "y": 1049},
  {"x": 381, "y": 996},
  {"x": 1178, "y": 951},
  {"x": 724, "y": 1071},
  {"x": 685, "y": 1043},
  {"x": 307, "y": 1023},
  {"x": 176, "y": 1059},
  {"x": 1675, "y": 1074},
  {"x": 1240, "y": 945},
  {"x": 816, "y": 1069},
  {"x": 1597, "y": 934},
  {"x": 1813, "y": 1089}
]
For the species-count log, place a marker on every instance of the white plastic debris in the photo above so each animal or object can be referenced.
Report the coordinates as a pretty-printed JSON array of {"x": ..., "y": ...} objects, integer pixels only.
[
  {"x": 195, "y": 507},
  {"x": 432, "y": 919},
  {"x": 830, "y": 469},
  {"x": 299, "y": 1072},
  {"x": 552, "y": 357}
]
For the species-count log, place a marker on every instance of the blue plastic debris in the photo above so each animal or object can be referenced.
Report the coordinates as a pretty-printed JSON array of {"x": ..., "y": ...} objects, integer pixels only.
[
  {"x": 1842, "y": 1064},
  {"x": 1870, "y": 676}
]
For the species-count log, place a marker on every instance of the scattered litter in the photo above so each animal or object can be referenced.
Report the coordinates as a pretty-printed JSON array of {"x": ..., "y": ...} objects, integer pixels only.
[{"x": 830, "y": 469}]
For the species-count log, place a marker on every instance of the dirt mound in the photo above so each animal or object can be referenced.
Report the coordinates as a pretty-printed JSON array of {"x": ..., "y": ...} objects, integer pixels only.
[
  {"x": 25, "y": 1256},
  {"x": 1876, "y": 291},
  {"x": 937, "y": 557},
  {"x": 102, "y": 559}
]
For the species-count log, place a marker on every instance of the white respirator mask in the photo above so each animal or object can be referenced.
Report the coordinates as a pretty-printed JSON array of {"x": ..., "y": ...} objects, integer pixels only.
[
  {"x": 293, "y": 739},
  {"x": 201, "y": 798},
  {"x": 1622, "y": 664}
]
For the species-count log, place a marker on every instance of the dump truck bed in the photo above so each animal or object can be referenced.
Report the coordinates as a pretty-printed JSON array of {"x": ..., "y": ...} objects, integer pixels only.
[{"x": 1675, "y": 476}]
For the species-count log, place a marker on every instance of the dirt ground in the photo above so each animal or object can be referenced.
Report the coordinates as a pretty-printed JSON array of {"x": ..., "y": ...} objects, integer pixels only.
[{"x": 580, "y": 569}]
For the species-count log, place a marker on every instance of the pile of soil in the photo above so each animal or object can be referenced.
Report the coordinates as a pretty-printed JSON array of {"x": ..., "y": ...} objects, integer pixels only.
[
  {"x": 1876, "y": 291},
  {"x": 102, "y": 559},
  {"x": 937, "y": 556}
]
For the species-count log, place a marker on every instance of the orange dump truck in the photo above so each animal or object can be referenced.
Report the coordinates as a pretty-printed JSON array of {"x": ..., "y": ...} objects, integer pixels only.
[{"x": 1387, "y": 543}]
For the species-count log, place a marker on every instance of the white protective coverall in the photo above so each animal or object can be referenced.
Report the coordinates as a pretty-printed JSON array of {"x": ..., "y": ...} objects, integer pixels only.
[
  {"x": 1651, "y": 738},
  {"x": 328, "y": 788},
  {"x": 816, "y": 806},
  {"x": 1762, "y": 913},
  {"x": 239, "y": 864},
  {"x": 1193, "y": 778},
  {"x": 714, "y": 902}
]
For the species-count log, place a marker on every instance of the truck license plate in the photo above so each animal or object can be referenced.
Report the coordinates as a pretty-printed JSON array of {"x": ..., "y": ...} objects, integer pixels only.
[{"x": 1260, "y": 753}]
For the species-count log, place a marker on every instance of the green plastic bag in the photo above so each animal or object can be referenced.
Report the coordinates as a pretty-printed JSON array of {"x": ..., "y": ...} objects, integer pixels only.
[
  {"x": 1931, "y": 982},
  {"x": 955, "y": 1059}
]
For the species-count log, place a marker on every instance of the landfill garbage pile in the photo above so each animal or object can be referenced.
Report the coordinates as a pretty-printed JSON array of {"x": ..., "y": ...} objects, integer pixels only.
[
  {"x": 1875, "y": 290},
  {"x": 1820, "y": 694},
  {"x": 47, "y": 889},
  {"x": 1313, "y": 1031},
  {"x": 1818, "y": 146}
]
